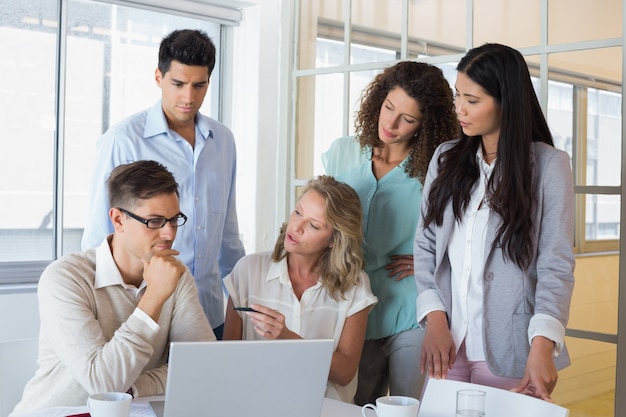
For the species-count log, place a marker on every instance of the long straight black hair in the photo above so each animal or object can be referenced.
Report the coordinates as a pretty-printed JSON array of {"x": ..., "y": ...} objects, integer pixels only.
[{"x": 502, "y": 72}]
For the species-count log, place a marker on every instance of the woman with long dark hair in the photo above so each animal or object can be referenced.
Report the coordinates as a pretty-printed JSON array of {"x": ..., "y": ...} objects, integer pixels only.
[{"x": 493, "y": 248}]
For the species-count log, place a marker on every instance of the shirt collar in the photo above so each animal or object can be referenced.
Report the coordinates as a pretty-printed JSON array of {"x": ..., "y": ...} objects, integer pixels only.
[
  {"x": 107, "y": 273},
  {"x": 368, "y": 151},
  {"x": 486, "y": 168},
  {"x": 156, "y": 124},
  {"x": 279, "y": 270}
]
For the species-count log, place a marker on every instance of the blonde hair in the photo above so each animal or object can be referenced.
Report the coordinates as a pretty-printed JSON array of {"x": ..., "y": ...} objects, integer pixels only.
[{"x": 342, "y": 262}]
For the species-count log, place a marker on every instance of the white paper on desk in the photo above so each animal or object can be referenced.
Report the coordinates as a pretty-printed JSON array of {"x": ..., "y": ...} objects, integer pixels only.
[
  {"x": 136, "y": 410},
  {"x": 140, "y": 410}
]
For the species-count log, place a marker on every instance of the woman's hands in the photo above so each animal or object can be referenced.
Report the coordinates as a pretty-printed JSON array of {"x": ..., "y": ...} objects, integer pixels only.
[
  {"x": 540, "y": 375},
  {"x": 269, "y": 323},
  {"x": 400, "y": 265},
  {"x": 438, "y": 350}
]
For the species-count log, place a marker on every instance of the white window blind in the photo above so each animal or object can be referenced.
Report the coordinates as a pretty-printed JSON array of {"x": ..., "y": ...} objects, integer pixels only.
[{"x": 215, "y": 11}]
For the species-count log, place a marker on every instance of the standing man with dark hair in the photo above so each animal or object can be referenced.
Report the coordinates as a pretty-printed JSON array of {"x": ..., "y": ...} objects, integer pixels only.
[
  {"x": 109, "y": 314},
  {"x": 201, "y": 154}
]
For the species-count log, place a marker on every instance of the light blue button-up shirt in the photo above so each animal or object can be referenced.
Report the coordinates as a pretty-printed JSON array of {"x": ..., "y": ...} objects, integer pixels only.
[{"x": 209, "y": 242}]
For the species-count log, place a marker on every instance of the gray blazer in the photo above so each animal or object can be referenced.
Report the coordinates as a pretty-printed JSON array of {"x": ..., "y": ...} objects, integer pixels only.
[{"x": 511, "y": 296}]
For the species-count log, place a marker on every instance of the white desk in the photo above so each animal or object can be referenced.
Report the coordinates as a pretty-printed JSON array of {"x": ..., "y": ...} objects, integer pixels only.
[
  {"x": 334, "y": 408},
  {"x": 141, "y": 408},
  {"x": 330, "y": 408}
]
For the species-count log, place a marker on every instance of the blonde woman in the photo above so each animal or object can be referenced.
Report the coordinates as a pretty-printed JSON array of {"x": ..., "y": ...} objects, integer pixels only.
[{"x": 312, "y": 285}]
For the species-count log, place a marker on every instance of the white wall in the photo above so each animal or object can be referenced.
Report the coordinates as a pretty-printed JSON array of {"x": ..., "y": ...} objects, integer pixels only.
[
  {"x": 19, "y": 314},
  {"x": 259, "y": 119}
]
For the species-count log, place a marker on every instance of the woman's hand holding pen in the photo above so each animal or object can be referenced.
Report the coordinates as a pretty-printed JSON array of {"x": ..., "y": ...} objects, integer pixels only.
[
  {"x": 400, "y": 265},
  {"x": 269, "y": 323}
]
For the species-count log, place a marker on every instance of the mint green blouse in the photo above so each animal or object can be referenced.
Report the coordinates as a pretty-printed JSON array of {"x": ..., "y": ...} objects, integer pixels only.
[{"x": 390, "y": 214}]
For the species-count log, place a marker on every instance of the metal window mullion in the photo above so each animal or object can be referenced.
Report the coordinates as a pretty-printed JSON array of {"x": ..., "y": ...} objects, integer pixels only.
[
  {"x": 589, "y": 335},
  {"x": 579, "y": 158},
  {"x": 469, "y": 19},
  {"x": 290, "y": 201},
  {"x": 347, "y": 42},
  {"x": 543, "y": 57},
  {"x": 404, "y": 36},
  {"x": 620, "y": 366},
  {"x": 59, "y": 139}
]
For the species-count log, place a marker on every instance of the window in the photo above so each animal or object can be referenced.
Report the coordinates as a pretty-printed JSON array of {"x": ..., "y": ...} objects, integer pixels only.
[
  {"x": 66, "y": 78},
  {"x": 571, "y": 105},
  {"x": 327, "y": 126},
  {"x": 28, "y": 89}
]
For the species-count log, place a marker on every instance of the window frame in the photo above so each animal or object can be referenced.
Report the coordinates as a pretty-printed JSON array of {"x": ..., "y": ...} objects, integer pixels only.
[
  {"x": 18, "y": 274},
  {"x": 332, "y": 30}
]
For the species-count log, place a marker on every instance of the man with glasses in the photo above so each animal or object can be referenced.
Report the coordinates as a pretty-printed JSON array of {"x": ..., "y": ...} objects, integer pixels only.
[
  {"x": 109, "y": 314},
  {"x": 201, "y": 154}
]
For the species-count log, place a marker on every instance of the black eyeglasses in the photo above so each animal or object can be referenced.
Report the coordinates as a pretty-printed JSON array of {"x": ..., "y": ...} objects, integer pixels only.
[{"x": 157, "y": 222}]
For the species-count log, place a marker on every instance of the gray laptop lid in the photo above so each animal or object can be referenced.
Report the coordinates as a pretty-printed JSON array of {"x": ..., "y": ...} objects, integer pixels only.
[{"x": 261, "y": 378}]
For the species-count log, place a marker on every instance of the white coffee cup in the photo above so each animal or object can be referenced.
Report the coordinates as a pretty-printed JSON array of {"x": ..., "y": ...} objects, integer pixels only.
[
  {"x": 394, "y": 406},
  {"x": 109, "y": 404}
]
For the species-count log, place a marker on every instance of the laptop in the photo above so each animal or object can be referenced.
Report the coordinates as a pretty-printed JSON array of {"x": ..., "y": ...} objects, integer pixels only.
[{"x": 251, "y": 378}]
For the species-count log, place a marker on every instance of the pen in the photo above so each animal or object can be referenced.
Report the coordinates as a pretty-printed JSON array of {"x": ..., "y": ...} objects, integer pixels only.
[{"x": 245, "y": 309}]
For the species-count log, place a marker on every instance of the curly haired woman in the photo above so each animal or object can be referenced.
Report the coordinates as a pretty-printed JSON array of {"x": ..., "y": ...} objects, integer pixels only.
[{"x": 405, "y": 113}]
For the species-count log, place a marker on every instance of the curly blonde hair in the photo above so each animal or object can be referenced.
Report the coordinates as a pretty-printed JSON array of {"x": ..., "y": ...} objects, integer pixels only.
[
  {"x": 340, "y": 264},
  {"x": 426, "y": 84}
]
